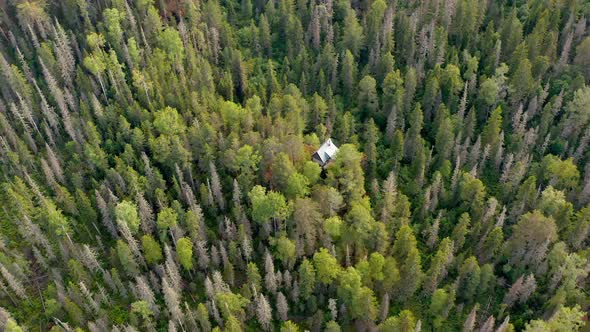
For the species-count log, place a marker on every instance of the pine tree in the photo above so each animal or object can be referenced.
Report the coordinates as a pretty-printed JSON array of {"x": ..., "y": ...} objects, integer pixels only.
[
  {"x": 530, "y": 239},
  {"x": 371, "y": 137},
  {"x": 469, "y": 278},
  {"x": 469, "y": 324},
  {"x": 307, "y": 277},
  {"x": 491, "y": 131},
  {"x": 348, "y": 76},
  {"x": 172, "y": 301},
  {"x": 270, "y": 281},
  {"x": 203, "y": 318},
  {"x": 282, "y": 307},
  {"x": 439, "y": 265},
  {"x": 13, "y": 282},
  {"x": 264, "y": 312},
  {"x": 126, "y": 258},
  {"x": 406, "y": 253},
  {"x": 367, "y": 97}
]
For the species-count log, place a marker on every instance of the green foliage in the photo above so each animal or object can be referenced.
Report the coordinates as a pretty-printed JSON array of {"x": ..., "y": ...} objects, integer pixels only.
[
  {"x": 184, "y": 249},
  {"x": 152, "y": 252},
  {"x": 363, "y": 231},
  {"x": 472, "y": 193},
  {"x": 312, "y": 172},
  {"x": 285, "y": 250},
  {"x": 253, "y": 276},
  {"x": 203, "y": 317},
  {"x": 289, "y": 326},
  {"x": 297, "y": 186},
  {"x": 358, "y": 298},
  {"x": 563, "y": 174},
  {"x": 157, "y": 172},
  {"x": 167, "y": 218},
  {"x": 266, "y": 206},
  {"x": 232, "y": 115},
  {"x": 451, "y": 79},
  {"x": 332, "y": 326},
  {"x": 246, "y": 165},
  {"x": 231, "y": 304},
  {"x": 440, "y": 305},
  {"x": 391, "y": 275},
  {"x": 74, "y": 312},
  {"x": 307, "y": 276},
  {"x": 367, "y": 96},
  {"x": 113, "y": 18},
  {"x": 126, "y": 258},
  {"x": 333, "y": 227},
  {"x": 169, "y": 40},
  {"x": 404, "y": 322},
  {"x": 407, "y": 255},
  {"x": 488, "y": 92},
  {"x": 126, "y": 213},
  {"x": 393, "y": 90},
  {"x": 491, "y": 132},
  {"x": 566, "y": 319},
  {"x": 353, "y": 37},
  {"x": 12, "y": 326},
  {"x": 55, "y": 219},
  {"x": 326, "y": 266},
  {"x": 469, "y": 276},
  {"x": 168, "y": 122},
  {"x": 346, "y": 173},
  {"x": 141, "y": 308},
  {"x": 554, "y": 204},
  {"x": 521, "y": 82},
  {"x": 95, "y": 64}
]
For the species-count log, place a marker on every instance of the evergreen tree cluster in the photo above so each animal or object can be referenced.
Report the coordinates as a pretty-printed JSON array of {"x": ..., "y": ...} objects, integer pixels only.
[{"x": 156, "y": 171}]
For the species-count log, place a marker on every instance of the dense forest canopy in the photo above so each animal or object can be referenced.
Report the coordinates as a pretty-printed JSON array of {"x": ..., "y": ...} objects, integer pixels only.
[{"x": 157, "y": 175}]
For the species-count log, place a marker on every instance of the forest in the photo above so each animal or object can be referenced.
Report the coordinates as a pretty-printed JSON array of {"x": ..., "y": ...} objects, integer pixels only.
[{"x": 159, "y": 165}]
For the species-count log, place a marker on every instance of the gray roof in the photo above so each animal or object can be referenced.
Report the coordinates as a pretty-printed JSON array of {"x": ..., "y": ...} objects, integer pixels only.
[{"x": 327, "y": 151}]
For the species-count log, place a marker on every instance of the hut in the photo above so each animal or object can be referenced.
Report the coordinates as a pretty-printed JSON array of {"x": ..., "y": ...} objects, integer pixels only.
[{"x": 325, "y": 153}]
